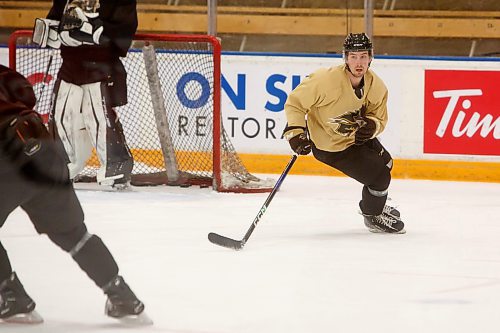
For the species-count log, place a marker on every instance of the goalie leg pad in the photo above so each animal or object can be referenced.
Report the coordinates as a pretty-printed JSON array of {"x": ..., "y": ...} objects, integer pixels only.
[
  {"x": 106, "y": 134},
  {"x": 71, "y": 127}
]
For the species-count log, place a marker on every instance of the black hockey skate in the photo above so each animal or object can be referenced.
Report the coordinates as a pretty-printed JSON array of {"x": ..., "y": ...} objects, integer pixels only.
[
  {"x": 122, "y": 303},
  {"x": 384, "y": 223},
  {"x": 15, "y": 304},
  {"x": 121, "y": 184},
  {"x": 392, "y": 211}
]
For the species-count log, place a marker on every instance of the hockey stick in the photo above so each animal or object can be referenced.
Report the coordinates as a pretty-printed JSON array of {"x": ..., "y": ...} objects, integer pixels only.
[
  {"x": 239, "y": 244},
  {"x": 45, "y": 79}
]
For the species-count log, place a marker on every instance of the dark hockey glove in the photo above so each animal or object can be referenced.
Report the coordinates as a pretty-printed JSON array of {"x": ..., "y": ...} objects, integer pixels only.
[
  {"x": 23, "y": 136},
  {"x": 366, "y": 128},
  {"x": 300, "y": 144},
  {"x": 25, "y": 141}
]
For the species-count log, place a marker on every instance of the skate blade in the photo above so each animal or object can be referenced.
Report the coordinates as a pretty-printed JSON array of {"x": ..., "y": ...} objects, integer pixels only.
[
  {"x": 140, "y": 320},
  {"x": 122, "y": 187},
  {"x": 109, "y": 181},
  {"x": 25, "y": 318},
  {"x": 378, "y": 231}
]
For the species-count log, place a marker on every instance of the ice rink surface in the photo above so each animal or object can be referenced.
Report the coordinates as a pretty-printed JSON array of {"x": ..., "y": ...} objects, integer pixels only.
[{"x": 310, "y": 266}]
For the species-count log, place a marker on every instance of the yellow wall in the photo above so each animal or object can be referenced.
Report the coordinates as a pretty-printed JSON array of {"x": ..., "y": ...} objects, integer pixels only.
[
  {"x": 308, "y": 165},
  {"x": 405, "y": 169}
]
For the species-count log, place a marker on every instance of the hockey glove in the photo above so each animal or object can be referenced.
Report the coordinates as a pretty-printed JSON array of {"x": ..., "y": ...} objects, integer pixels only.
[
  {"x": 45, "y": 33},
  {"x": 366, "y": 129},
  {"x": 23, "y": 136},
  {"x": 88, "y": 30},
  {"x": 27, "y": 143},
  {"x": 300, "y": 144}
]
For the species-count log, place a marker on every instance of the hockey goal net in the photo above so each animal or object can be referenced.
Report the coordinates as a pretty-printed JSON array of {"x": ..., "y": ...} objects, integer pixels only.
[{"x": 172, "y": 121}]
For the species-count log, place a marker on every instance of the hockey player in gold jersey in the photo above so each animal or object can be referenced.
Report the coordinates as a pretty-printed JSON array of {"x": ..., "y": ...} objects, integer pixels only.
[{"x": 337, "y": 113}]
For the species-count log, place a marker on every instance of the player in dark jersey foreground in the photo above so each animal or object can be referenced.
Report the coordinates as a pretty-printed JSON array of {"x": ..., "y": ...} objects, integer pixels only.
[{"x": 34, "y": 176}]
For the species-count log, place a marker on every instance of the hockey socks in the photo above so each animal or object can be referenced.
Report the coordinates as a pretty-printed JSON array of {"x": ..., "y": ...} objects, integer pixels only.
[{"x": 94, "y": 258}]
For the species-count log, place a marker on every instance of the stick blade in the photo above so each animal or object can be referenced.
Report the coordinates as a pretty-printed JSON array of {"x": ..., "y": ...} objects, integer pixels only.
[{"x": 225, "y": 242}]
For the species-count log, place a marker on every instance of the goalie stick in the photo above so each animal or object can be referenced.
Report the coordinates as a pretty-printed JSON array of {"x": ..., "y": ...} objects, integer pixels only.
[
  {"x": 45, "y": 80},
  {"x": 239, "y": 244}
]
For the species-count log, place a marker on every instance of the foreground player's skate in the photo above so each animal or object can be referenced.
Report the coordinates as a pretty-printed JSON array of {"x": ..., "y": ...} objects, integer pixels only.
[
  {"x": 15, "y": 304},
  {"x": 123, "y": 305}
]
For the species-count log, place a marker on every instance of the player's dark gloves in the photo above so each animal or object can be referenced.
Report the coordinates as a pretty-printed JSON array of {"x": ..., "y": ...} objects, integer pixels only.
[
  {"x": 366, "y": 128},
  {"x": 23, "y": 136},
  {"x": 27, "y": 143},
  {"x": 300, "y": 144}
]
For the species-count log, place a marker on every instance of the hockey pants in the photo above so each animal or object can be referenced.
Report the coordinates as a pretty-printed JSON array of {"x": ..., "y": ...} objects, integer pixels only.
[{"x": 369, "y": 164}]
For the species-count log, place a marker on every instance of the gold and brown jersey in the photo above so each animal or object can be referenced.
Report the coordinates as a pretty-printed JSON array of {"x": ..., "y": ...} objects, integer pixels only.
[{"x": 328, "y": 101}]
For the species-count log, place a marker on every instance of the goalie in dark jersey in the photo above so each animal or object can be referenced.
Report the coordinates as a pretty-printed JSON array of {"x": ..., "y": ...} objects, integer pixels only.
[
  {"x": 346, "y": 109},
  {"x": 91, "y": 83},
  {"x": 34, "y": 176}
]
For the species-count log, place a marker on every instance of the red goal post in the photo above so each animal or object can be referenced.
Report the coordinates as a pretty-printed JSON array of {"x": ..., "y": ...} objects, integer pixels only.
[{"x": 172, "y": 121}]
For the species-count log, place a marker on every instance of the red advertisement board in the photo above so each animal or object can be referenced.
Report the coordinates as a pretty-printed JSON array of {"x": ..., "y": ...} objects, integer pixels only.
[{"x": 462, "y": 112}]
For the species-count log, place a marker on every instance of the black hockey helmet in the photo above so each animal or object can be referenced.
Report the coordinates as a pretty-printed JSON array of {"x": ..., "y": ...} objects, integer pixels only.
[{"x": 356, "y": 43}]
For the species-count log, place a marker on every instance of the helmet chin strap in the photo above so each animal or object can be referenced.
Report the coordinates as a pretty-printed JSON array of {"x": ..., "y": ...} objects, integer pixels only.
[{"x": 348, "y": 68}]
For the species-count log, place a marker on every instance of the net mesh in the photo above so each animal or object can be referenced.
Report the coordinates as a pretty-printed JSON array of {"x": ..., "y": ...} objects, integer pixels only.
[{"x": 186, "y": 69}]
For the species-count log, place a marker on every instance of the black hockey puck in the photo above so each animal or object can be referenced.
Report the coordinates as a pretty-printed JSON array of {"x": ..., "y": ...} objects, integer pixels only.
[
  {"x": 185, "y": 185},
  {"x": 204, "y": 186}
]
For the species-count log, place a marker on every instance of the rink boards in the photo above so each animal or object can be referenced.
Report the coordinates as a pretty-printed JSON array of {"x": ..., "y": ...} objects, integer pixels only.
[{"x": 444, "y": 117}]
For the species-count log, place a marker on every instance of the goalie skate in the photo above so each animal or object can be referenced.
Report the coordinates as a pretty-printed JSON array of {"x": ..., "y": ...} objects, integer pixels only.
[
  {"x": 121, "y": 184},
  {"x": 113, "y": 180},
  {"x": 117, "y": 174}
]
